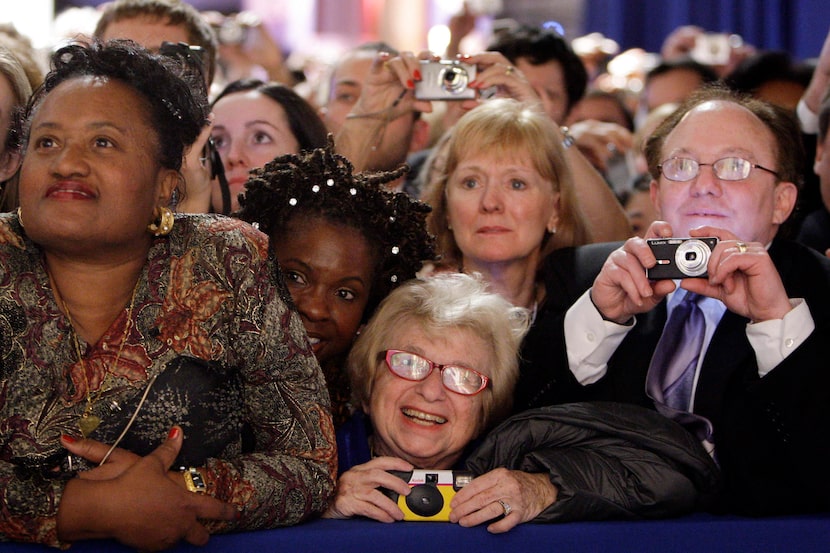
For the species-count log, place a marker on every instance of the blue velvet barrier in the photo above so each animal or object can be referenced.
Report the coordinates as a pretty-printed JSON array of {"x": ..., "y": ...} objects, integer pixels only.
[{"x": 700, "y": 532}]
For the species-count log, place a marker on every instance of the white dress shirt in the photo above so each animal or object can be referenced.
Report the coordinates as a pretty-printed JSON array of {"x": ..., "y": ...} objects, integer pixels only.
[{"x": 591, "y": 340}]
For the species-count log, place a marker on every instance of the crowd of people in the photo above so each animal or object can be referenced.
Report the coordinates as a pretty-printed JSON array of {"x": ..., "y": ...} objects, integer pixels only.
[{"x": 229, "y": 304}]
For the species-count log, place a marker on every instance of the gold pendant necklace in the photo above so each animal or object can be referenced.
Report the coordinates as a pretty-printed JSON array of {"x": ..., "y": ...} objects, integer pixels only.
[{"x": 88, "y": 421}]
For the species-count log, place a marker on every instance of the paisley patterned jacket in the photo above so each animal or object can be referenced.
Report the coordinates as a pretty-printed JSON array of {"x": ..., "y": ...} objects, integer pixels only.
[{"x": 216, "y": 345}]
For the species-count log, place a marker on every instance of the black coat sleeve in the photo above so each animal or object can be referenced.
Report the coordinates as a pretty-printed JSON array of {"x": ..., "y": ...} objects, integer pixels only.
[{"x": 607, "y": 461}]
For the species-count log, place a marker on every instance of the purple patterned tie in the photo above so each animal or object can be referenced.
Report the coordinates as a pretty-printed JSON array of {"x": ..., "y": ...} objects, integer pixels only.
[{"x": 672, "y": 371}]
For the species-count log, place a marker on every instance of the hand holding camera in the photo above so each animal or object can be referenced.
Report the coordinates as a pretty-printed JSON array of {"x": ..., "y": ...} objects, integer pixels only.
[
  {"x": 445, "y": 80},
  {"x": 680, "y": 257},
  {"x": 359, "y": 494},
  {"x": 713, "y": 262},
  {"x": 430, "y": 494},
  {"x": 742, "y": 275},
  {"x": 477, "y": 77}
]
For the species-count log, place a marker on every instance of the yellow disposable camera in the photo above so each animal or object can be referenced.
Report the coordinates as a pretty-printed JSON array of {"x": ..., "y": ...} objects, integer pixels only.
[{"x": 431, "y": 493}]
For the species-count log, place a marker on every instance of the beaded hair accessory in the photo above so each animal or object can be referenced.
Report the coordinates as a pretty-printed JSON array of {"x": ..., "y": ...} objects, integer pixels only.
[
  {"x": 174, "y": 111},
  {"x": 322, "y": 183}
]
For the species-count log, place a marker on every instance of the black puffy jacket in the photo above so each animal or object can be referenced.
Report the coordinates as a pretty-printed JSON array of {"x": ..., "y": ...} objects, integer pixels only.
[{"x": 607, "y": 460}]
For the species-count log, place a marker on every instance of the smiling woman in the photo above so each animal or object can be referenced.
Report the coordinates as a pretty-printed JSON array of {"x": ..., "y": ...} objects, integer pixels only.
[{"x": 452, "y": 327}]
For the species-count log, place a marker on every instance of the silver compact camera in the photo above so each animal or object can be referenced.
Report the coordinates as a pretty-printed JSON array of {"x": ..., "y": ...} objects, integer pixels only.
[
  {"x": 445, "y": 80},
  {"x": 680, "y": 257}
]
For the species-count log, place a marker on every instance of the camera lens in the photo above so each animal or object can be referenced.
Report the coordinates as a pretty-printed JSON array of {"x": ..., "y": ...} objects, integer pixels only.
[
  {"x": 425, "y": 500},
  {"x": 454, "y": 79},
  {"x": 692, "y": 257}
]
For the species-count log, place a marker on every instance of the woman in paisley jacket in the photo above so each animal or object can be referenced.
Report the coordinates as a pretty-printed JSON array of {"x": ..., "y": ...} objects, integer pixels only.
[{"x": 145, "y": 356}]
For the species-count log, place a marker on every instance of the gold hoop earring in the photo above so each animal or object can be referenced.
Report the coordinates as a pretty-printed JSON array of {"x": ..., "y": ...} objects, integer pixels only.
[
  {"x": 20, "y": 217},
  {"x": 163, "y": 223}
]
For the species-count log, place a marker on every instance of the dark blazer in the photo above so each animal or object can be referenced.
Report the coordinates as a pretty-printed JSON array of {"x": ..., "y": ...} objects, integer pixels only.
[{"x": 772, "y": 435}]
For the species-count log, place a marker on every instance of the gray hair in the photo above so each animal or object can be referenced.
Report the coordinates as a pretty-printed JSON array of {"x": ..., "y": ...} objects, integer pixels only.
[{"x": 446, "y": 300}]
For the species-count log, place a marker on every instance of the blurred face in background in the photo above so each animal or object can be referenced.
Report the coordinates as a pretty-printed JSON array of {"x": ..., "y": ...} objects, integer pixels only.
[
  {"x": 9, "y": 161},
  {"x": 148, "y": 31},
  {"x": 598, "y": 108},
  {"x": 670, "y": 87},
  {"x": 822, "y": 169},
  {"x": 548, "y": 80},
  {"x": 249, "y": 130},
  {"x": 400, "y": 136}
]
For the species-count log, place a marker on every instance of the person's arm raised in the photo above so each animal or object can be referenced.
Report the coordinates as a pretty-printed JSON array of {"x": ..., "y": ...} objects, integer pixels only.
[
  {"x": 605, "y": 217},
  {"x": 387, "y": 94},
  {"x": 820, "y": 82}
]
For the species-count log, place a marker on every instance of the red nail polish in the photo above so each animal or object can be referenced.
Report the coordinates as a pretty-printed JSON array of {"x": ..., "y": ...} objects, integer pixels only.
[
  {"x": 69, "y": 439},
  {"x": 410, "y": 84},
  {"x": 174, "y": 433},
  {"x": 417, "y": 74}
]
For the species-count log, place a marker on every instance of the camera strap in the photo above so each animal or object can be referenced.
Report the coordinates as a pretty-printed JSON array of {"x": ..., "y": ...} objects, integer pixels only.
[{"x": 219, "y": 173}]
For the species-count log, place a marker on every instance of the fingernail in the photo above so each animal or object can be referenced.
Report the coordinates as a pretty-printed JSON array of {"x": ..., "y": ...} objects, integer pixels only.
[
  {"x": 174, "y": 433},
  {"x": 417, "y": 75},
  {"x": 410, "y": 84},
  {"x": 69, "y": 439}
]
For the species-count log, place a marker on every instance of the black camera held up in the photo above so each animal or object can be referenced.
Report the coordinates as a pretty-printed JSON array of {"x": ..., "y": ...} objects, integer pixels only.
[
  {"x": 680, "y": 257},
  {"x": 431, "y": 493}
]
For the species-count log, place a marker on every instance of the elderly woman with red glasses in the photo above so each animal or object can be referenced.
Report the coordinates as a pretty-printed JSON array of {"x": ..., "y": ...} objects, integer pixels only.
[{"x": 433, "y": 372}]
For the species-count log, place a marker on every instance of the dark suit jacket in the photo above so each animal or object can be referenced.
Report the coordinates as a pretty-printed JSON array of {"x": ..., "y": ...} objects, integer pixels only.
[{"x": 772, "y": 435}]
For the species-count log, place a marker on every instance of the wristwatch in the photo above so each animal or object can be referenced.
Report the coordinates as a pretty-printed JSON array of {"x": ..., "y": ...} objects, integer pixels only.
[
  {"x": 193, "y": 480},
  {"x": 568, "y": 139}
]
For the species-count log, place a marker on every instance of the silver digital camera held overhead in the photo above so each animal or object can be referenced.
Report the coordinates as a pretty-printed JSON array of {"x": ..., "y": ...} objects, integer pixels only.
[
  {"x": 431, "y": 493},
  {"x": 680, "y": 257},
  {"x": 445, "y": 80}
]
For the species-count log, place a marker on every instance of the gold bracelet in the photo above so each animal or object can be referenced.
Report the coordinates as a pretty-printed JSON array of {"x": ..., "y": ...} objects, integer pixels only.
[{"x": 194, "y": 481}]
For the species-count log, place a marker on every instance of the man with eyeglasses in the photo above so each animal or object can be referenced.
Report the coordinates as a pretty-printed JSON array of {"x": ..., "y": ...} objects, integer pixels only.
[{"x": 756, "y": 387}]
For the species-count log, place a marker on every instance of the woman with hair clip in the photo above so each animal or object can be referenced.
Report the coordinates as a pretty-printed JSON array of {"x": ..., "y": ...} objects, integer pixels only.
[
  {"x": 343, "y": 242},
  {"x": 156, "y": 384}
]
